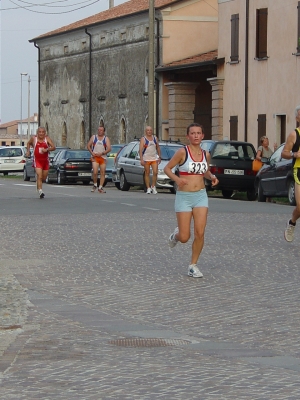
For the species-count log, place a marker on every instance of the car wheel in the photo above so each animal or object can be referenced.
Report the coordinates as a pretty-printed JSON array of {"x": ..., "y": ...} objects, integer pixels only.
[
  {"x": 124, "y": 186},
  {"x": 251, "y": 194},
  {"x": 260, "y": 194},
  {"x": 227, "y": 193},
  {"x": 117, "y": 185},
  {"x": 5, "y": 173},
  {"x": 60, "y": 179},
  {"x": 291, "y": 193},
  {"x": 25, "y": 176},
  {"x": 85, "y": 183}
]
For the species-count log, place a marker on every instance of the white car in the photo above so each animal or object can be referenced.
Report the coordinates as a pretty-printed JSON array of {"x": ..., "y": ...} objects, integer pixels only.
[{"x": 12, "y": 159}]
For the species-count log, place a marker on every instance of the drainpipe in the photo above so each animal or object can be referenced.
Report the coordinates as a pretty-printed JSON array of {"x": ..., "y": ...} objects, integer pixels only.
[
  {"x": 39, "y": 85},
  {"x": 246, "y": 70},
  {"x": 157, "y": 81},
  {"x": 90, "y": 83}
]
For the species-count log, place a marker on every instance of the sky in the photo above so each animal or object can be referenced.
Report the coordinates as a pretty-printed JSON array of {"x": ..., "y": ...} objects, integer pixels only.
[{"x": 21, "y": 21}]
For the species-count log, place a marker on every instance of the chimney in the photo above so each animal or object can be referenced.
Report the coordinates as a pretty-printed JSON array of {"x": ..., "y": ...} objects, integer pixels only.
[{"x": 111, "y": 3}]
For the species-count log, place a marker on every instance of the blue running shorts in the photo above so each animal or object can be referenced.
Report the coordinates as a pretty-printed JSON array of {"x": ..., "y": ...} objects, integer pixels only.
[{"x": 186, "y": 201}]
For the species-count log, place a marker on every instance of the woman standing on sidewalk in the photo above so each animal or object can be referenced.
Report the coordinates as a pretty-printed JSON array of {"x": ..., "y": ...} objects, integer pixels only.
[{"x": 191, "y": 198}]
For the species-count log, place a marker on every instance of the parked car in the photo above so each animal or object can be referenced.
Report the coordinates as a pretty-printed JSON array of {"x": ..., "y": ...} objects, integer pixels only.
[
  {"x": 231, "y": 162},
  {"x": 12, "y": 159},
  {"x": 29, "y": 171},
  {"x": 129, "y": 171},
  {"x": 115, "y": 148},
  {"x": 275, "y": 178},
  {"x": 115, "y": 177},
  {"x": 71, "y": 166}
]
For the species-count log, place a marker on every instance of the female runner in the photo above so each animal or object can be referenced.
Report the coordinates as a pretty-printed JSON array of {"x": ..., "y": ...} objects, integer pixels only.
[{"x": 191, "y": 199}]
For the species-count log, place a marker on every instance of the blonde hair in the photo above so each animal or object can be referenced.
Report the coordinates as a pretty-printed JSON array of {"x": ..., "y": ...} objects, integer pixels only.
[{"x": 263, "y": 138}]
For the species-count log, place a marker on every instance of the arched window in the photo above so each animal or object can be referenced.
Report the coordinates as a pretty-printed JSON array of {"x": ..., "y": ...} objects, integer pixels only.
[
  {"x": 123, "y": 131},
  {"x": 82, "y": 135},
  {"x": 101, "y": 122},
  {"x": 64, "y": 136}
]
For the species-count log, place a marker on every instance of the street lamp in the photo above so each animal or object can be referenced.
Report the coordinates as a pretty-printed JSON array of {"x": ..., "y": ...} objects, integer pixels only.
[{"x": 22, "y": 74}]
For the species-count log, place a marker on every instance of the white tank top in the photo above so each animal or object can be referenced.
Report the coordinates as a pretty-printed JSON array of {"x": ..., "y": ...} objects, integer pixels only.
[{"x": 192, "y": 167}]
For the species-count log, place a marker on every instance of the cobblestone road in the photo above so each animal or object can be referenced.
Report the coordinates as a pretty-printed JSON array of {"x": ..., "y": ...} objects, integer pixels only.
[{"x": 72, "y": 285}]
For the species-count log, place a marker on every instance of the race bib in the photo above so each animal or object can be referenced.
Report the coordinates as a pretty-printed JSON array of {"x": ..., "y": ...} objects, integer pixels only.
[{"x": 197, "y": 167}]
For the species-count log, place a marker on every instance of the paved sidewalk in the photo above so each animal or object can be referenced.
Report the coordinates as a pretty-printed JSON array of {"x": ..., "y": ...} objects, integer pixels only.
[{"x": 103, "y": 309}]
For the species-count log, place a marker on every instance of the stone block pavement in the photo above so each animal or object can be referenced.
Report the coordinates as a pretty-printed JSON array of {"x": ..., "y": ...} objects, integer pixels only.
[{"x": 82, "y": 295}]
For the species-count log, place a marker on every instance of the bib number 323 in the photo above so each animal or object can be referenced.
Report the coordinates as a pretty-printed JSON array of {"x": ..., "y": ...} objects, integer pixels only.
[{"x": 197, "y": 167}]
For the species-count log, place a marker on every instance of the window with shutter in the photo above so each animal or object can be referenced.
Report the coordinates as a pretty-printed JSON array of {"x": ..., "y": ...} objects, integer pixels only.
[
  {"x": 261, "y": 127},
  {"x": 261, "y": 32},
  {"x": 298, "y": 38},
  {"x": 233, "y": 122},
  {"x": 234, "y": 38}
]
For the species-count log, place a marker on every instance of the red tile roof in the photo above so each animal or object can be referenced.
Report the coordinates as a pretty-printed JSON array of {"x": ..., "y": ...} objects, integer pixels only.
[
  {"x": 200, "y": 58},
  {"x": 129, "y": 8}
]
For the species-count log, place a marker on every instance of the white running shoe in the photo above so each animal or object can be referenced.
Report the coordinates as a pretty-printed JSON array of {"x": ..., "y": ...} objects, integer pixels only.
[
  {"x": 172, "y": 240},
  {"x": 154, "y": 191},
  {"x": 194, "y": 272},
  {"x": 149, "y": 191},
  {"x": 289, "y": 232},
  {"x": 94, "y": 188},
  {"x": 41, "y": 194}
]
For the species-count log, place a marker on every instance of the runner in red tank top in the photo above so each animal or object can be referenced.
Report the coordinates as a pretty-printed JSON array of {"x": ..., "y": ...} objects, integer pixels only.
[{"x": 42, "y": 145}]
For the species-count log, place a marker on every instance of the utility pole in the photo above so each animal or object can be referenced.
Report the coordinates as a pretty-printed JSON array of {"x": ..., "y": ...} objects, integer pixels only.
[
  {"x": 151, "y": 76},
  {"x": 28, "y": 129},
  {"x": 111, "y": 3}
]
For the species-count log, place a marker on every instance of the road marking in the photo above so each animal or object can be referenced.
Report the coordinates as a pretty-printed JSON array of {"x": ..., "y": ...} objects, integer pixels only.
[
  {"x": 127, "y": 204},
  {"x": 153, "y": 209},
  {"x": 109, "y": 201},
  {"x": 24, "y": 184}
]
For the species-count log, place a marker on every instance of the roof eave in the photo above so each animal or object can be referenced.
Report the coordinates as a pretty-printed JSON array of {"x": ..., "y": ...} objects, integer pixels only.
[
  {"x": 217, "y": 61},
  {"x": 83, "y": 27}
]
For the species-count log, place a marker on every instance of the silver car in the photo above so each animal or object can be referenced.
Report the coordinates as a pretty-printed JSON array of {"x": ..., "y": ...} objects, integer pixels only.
[
  {"x": 12, "y": 159},
  {"x": 128, "y": 170}
]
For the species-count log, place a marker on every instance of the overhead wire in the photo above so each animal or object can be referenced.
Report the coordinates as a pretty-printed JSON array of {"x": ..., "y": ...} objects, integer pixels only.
[{"x": 49, "y": 4}]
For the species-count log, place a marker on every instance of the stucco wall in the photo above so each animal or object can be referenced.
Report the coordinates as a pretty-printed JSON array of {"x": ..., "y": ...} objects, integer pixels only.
[
  {"x": 190, "y": 28},
  {"x": 273, "y": 82}
]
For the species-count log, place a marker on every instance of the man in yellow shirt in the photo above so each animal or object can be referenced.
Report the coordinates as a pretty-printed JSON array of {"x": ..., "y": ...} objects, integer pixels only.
[{"x": 291, "y": 151}]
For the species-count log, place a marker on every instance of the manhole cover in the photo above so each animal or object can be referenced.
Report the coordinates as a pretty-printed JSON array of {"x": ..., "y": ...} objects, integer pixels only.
[{"x": 138, "y": 342}]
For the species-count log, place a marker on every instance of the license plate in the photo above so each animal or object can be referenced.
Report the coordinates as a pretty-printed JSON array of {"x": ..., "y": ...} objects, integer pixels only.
[
  {"x": 9, "y": 161},
  {"x": 84, "y": 174},
  {"x": 234, "y": 172}
]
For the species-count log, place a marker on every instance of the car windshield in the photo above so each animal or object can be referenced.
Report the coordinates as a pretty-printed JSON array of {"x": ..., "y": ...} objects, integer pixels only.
[
  {"x": 206, "y": 146},
  {"x": 9, "y": 152},
  {"x": 114, "y": 149},
  {"x": 78, "y": 154},
  {"x": 236, "y": 151},
  {"x": 53, "y": 153},
  {"x": 167, "y": 151}
]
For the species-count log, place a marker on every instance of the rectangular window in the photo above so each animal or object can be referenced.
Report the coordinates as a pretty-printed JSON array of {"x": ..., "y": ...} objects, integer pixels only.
[
  {"x": 66, "y": 49},
  {"x": 261, "y": 32},
  {"x": 3, "y": 143},
  {"x": 233, "y": 127},
  {"x": 298, "y": 38},
  {"x": 234, "y": 38},
  {"x": 261, "y": 127}
]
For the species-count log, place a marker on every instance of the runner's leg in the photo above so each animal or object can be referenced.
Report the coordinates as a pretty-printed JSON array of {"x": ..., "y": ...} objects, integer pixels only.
[
  {"x": 39, "y": 178},
  {"x": 147, "y": 175},
  {"x": 200, "y": 218}
]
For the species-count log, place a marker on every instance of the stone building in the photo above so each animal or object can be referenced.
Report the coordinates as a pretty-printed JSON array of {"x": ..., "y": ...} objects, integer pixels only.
[{"x": 95, "y": 71}]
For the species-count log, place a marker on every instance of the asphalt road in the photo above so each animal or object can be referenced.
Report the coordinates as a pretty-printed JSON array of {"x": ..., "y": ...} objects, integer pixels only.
[{"x": 94, "y": 305}]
